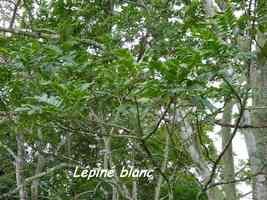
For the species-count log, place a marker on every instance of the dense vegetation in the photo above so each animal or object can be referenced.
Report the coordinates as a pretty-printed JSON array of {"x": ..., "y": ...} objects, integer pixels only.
[{"x": 113, "y": 83}]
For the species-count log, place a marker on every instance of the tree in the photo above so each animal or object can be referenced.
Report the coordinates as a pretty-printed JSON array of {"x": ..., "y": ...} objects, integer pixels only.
[{"x": 110, "y": 84}]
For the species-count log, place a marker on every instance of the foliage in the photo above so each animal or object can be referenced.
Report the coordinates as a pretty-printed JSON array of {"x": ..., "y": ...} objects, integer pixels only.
[{"x": 112, "y": 73}]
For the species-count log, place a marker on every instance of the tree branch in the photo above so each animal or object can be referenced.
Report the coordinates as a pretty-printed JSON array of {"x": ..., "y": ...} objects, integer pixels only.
[
  {"x": 218, "y": 122},
  {"x": 235, "y": 180},
  {"x": 30, "y": 179},
  {"x": 158, "y": 123},
  {"x": 44, "y": 34},
  {"x": 29, "y": 33},
  {"x": 8, "y": 150},
  {"x": 217, "y": 161},
  {"x": 14, "y": 14}
]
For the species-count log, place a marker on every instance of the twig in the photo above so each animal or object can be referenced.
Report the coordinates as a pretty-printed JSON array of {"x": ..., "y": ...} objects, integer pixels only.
[
  {"x": 244, "y": 195},
  {"x": 158, "y": 123},
  {"x": 8, "y": 150},
  {"x": 30, "y": 179},
  {"x": 68, "y": 128},
  {"x": 29, "y": 33},
  {"x": 235, "y": 180},
  {"x": 44, "y": 35},
  {"x": 138, "y": 118},
  {"x": 217, "y": 161},
  {"x": 217, "y": 122},
  {"x": 14, "y": 14},
  {"x": 143, "y": 143},
  {"x": 199, "y": 130}
]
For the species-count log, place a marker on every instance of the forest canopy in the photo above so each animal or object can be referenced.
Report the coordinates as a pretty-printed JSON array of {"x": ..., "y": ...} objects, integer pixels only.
[{"x": 171, "y": 86}]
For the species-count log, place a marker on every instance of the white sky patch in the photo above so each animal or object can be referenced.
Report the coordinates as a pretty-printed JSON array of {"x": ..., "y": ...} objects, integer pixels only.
[
  {"x": 216, "y": 137},
  {"x": 118, "y": 8},
  {"x": 188, "y": 33},
  {"x": 91, "y": 51},
  {"x": 131, "y": 44},
  {"x": 244, "y": 189},
  {"x": 175, "y": 19},
  {"x": 240, "y": 154},
  {"x": 239, "y": 147},
  {"x": 238, "y": 13},
  {"x": 162, "y": 59},
  {"x": 178, "y": 7}
]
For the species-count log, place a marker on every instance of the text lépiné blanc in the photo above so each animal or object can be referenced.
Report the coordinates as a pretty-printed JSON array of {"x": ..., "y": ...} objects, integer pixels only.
[{"x": 109, "y": 173}]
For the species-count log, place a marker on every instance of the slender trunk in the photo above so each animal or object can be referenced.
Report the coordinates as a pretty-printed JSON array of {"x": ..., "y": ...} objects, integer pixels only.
[
  {"x": 251, "y": 146},
  {"x": 211, "y": 7},
  {"x": 35, "y": 183},
  {"x": 68, "y": 138},
  {"x": 107, "y": 161},
  {"x": 245, "y": 44},
  {"x": 121, "y": 187},
  {"x": 228, "y": 160},
  {"x": 39, "y": 168},
  {"x": 106, "y": 158},
  {"x": 134, "y": 190},
  {"x": 187, "y": 134},
  {"x": 259, "y": 117},
  {"x": 20, "y": 167},
  {"x": 134, "y": 182},
  {"x": 163, "y": 168}
]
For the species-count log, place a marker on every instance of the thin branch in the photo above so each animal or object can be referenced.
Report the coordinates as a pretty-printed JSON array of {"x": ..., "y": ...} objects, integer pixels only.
[
  {"x": 45, "y": 35},
  {"x": 158, "y": 123},
  {"x": 112, "y": 125},
  {"x": 199, "y": 130},
  {"x": 30, "y": 179},
  {"x": 138, "y": 118},
  {"x": 29, "y": 33},
  {"x": 8, "y": 150},
  {"x": 244, "y": 195},
  {"x": 232, "y": 89},
  {"x": 146, "y": 149},
  {"x": 14, "y": 14},
  {"x": 85, "y": 131},
  {"x": 217, "y": 161},
  {"x": 235, "y": 180},
  {"x": 218, "y": 122},
  {"x": 256, "y": 107},
  {"x": 143, "y": 46}
]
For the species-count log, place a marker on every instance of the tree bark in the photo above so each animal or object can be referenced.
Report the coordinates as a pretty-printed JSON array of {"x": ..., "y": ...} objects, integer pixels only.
[
  {"x": 211, "y": 7},
  {"x": 118, "y": 185},
  {"x": 251, "y": 146},
  {"x": 39, "y": 168},
  {"x": 259, "y": 116},
  {"x": 163, "y": 168},
  {"x": 20, "y": 167},
  {"x": 35, "y": 183},
  {"x": 228, "y": 160},
  {"x": 134, "y": 190}
]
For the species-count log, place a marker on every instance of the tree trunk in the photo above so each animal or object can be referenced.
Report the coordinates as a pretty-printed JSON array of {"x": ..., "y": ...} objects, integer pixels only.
[
  {"x": 259, "y": 117},
  {"x": 228, "y": 160},
  {"x": 35, "y": 183},
  {"x": 187, "y": 134},
  {"x": 39, "y": 167},
  {"x": 20, "y": 167},
  {"x": 163, "y": 168},
  {"x": 134, "y": 190},
  {"x": 251, "y": 146}
]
